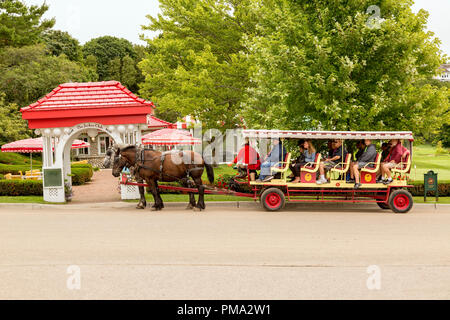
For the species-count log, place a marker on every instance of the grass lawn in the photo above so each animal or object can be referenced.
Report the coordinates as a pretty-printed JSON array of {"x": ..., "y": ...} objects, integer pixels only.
[
  {"x": 22, "y": 199},
  {"x": 443, "y": 200},
  {"x": 425, "y": 159},
  {"x": 12, "y": 158}
]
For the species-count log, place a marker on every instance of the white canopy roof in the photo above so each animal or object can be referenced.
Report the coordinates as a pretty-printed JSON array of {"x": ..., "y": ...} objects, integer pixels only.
[{"x": 346, "y": 135}]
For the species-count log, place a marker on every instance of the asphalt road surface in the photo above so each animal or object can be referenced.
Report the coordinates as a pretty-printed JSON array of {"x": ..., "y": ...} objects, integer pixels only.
[{"x": 304, "y": 252}]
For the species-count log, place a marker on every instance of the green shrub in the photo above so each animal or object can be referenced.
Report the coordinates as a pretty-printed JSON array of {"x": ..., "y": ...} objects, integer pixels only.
[
  {"x": 21, "y": 188},
  {"x": 81, "y": 175},
  {"x": 440, "y": 149},
  {"x": 418, "y": 189}
]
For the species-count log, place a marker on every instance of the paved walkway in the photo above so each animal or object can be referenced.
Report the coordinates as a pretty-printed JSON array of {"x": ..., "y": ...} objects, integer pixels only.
[{"x": 102, "y": 188}]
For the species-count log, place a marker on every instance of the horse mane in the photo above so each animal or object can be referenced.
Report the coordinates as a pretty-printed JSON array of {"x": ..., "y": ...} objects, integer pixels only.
[{"x": 126, "y": 148}]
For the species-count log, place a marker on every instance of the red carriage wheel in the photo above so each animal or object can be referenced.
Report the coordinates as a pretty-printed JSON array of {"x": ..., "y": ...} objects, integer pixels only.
[
  {"x": 273, "y": 199},
  {"x": 400, "y": 201}
]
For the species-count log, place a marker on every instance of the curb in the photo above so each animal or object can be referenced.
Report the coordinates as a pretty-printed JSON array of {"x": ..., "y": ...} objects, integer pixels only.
[{"x": 213, "y": 204}]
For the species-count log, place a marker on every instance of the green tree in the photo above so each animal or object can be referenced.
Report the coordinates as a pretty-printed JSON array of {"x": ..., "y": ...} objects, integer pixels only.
[
  {"x": 114, "y": 70},
  {"x": 129, "y": 72},
  {"x": 12, "y": 127},
  {"x": 123, "y": 70},
  {"x": 28, "y": 73},
  {"x": 329, "y": 65},
  {"x": 198, "y": 65},
  {"x": 105, "y": 49},
  {"x": 61, "y": 42},
  {"x": 20, "y": 24}
]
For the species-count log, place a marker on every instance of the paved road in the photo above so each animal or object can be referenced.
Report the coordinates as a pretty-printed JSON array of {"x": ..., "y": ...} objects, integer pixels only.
[{"x": 306, "y": 252}]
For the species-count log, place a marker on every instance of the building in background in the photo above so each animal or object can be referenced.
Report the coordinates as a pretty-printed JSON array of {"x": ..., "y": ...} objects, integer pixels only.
[{"x": 445, "y": 73}]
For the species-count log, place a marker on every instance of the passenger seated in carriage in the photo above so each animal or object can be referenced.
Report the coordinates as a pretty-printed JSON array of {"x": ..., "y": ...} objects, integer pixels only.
[
  {"x": 385, "y": 148},
  {"x": 339, "y": 153},
  {"x": 309, "y": 155},
  {"x": 275, "y": 156},
  {"x": 247, "y": 158},
  {"x": 299, "y": 159},
  {"x": 368, "y": 156},
  {"x": 356, "y": 154},
  {"x": 397, "y": 155}
]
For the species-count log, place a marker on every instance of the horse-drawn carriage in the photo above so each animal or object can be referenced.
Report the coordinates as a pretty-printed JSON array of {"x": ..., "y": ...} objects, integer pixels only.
[{"x": 274, "y": 194}]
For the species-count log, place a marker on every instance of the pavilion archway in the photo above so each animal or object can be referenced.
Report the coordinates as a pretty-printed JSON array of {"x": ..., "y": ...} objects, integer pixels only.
[{"x": 75, "y": 108}]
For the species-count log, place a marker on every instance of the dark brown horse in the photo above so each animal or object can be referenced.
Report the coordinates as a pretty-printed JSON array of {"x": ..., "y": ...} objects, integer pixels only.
[{"x": 152, "y": 166}]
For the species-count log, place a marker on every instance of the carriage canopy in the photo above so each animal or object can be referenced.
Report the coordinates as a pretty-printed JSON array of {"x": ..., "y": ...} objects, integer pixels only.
[{"x": 345, "y": 135}]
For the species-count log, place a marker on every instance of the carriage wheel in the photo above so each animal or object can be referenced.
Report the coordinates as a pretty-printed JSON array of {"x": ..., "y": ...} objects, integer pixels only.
[
  {"x": 273, "y": 199},
  {"x": 400, "y": 201}
]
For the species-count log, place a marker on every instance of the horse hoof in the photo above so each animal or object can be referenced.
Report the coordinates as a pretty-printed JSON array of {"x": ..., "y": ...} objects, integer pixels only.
[
  {"x": 197, "y": 209},
  {"x": 140, "y": 206},
  {"x": 190, "y": 207},
  {"x": 156, "y": 209}
]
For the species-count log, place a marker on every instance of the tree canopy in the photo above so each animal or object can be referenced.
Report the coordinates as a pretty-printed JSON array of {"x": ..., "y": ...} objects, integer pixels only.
[
  {"x": 20, "y": 24},
  {"x": 105, "y": 49},
  {"x": 61, "y": 42},
  {"x": 196, "y": 65},
  {"x": 322, "y": 65},
  {"x": 28, "y": 73},
  {"x": 12, "y": 127}
]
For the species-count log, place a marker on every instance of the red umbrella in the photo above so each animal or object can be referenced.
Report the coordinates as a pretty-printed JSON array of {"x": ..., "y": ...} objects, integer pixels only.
[
  {"x": 35, "y": 145},
  {"x": 170, "y": 137}
]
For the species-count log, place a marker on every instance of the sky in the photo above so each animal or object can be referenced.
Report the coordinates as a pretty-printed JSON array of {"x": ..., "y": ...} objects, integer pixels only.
[{"x": 87, "y": 19}]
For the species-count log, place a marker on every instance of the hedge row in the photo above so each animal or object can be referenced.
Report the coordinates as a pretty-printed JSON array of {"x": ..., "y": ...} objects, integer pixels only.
[
  {"x": 21, "y": 188},
  {"x": 443, "y": 190},
  {"x": 80, "y": 175}
]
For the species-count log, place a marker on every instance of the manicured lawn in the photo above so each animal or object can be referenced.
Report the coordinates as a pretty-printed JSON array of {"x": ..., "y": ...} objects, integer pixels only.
[
  {"x": 22, "y": 199},
  {"x": 425, "y": 159},
  {"x": 443, "y": 200},
  {"x": 12, "y": 158}
]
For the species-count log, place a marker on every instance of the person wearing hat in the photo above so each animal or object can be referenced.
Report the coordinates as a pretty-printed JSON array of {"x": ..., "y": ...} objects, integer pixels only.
[{"x": 275, "y": 156}]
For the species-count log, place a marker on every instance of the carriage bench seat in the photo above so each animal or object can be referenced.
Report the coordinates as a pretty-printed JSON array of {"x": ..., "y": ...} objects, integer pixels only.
[
  {"x": 403, "y": 167},
  {"x": 309, "y": 170},
  {"x": 370, "y": 170},
  {"x": 284, "y": 166},
  {"x": 342, "y": 167}
]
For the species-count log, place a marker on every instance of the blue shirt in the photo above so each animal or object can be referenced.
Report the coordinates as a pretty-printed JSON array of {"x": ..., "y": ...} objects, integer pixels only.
[
  {"x": 309, "y": 157},
  {"x": 277, "y": 154}
]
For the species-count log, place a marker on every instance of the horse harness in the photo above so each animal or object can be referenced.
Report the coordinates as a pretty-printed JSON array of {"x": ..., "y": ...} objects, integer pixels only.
[{"x": 140, "y": 160}]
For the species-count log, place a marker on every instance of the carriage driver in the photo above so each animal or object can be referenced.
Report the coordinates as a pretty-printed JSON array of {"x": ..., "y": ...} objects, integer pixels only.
[{"x": 247, "y": 158}]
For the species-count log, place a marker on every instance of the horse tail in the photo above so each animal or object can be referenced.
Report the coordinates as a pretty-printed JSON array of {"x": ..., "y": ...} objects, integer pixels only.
[{"x": 209, "y": 172}]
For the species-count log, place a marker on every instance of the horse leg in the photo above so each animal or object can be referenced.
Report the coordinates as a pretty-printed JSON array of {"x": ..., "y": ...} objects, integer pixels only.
[
  {"x": 201, "y": 195},
  {"x": 154, "y": 190},
  {"x": 191, "y": 204},
  {"x": 142, "y": 202},
  {"x": 160, "y": 201}
]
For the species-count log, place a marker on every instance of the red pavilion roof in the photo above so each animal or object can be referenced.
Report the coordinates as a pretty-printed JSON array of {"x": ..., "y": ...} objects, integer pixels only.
[{"x": 69, "y": 104}]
